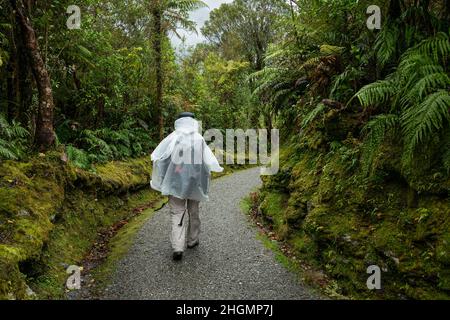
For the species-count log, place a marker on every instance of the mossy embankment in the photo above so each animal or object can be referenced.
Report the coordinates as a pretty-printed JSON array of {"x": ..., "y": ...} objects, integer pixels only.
[
  {"x": 51, "y": 213},
  {"x": 342, "y": 221}
]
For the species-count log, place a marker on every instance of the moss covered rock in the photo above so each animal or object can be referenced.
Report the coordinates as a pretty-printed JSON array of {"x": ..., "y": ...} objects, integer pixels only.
[
  {"x": 344, "y": 222},
  {"x": 37, "y": 198}
]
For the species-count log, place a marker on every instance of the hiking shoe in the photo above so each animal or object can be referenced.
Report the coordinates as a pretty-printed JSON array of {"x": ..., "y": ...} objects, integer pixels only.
[
  {"x": 195, "y": 244},
  {"x": 177, "y": 256}
]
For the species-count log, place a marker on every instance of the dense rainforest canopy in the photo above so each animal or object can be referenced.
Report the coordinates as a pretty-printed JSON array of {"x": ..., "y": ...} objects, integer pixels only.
[
  {"x": 117, "y": 80},
  {"x": 112, "y": 88}
]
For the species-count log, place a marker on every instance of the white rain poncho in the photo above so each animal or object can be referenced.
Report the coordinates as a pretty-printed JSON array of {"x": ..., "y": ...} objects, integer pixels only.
[{"x": 183, "y": 162}]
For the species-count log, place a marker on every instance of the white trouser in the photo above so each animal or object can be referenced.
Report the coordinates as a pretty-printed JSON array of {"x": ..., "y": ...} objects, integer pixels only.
[{"x": 185, "y": 220}]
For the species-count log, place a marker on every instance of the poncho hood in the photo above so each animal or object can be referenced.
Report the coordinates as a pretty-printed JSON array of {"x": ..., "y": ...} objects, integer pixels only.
[{"x": 187, "y": 125}]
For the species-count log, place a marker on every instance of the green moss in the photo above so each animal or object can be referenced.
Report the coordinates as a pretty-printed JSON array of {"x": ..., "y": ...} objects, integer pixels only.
[
  {"x": 273, "y": 209},
  {"x": 304, "y": 244},
  {"x": 73, "y": 237},
  {"x": 443, "y": 249},
  {"x": 343, "y": 222},
  {"x": 50, "y": 213}
]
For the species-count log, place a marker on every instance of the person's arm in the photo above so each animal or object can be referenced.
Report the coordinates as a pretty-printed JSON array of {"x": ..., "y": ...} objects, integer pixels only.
[
  {"x": 165, "y": 148},
  {"x": 210, "y": 159}
]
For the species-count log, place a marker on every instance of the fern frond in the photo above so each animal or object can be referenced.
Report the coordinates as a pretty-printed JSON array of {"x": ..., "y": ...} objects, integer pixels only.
[
  {"x": 376, "y": 93},
  {"x": 411, "y": 61},
  {"x": 313, "y": 115},
  {"x": 78, "y": 157},
  {"x": 311, "y": 63},
  {"x": 375, "y": 131},
  {"x": 437, "y": 47},
  {"x": 428, "y": 117},
  {"x": 12, "y": 139},
  {"x": 6, "y": 152},
  {"x": 386, "y": 44},
  {"x": 350, "y": 74},
  {"x": 427, "y": 85}
]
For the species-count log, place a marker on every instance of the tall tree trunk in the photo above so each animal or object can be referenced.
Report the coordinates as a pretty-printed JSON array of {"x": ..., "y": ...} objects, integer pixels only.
[
  {"x": 45, "y": 135},
  {"x": 294, "y": 23},
  {"x": 158, "y": 34}
]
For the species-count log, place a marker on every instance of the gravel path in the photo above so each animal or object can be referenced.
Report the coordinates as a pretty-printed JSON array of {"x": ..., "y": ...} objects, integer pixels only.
[{"x": 230, "y": 263}]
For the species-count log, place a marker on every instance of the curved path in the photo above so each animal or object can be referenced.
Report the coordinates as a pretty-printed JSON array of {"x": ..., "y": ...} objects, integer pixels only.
[{"x": 230, "y": 263}]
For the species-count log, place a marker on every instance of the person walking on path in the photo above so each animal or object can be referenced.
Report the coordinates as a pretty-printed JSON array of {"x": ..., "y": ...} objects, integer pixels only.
[{"x": 182, "y": 166}]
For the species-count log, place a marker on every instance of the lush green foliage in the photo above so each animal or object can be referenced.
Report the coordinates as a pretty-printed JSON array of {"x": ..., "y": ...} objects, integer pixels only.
[
  {"x": 417, "y": 93},
  {"x": 104, "y": 78},
  {"x": 399, "y": 76},
  {"x": 105, "y": 145},
  {"x": 364, "y": 114},
  {"x": 13, "y": 139},
  {"x": 365, "y": 118}
]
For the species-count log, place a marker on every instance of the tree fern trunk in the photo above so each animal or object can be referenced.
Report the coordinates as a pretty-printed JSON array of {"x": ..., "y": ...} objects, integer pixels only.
[
  {"x": 157, "y": 46},
  {"x": 294, "y": 23}
]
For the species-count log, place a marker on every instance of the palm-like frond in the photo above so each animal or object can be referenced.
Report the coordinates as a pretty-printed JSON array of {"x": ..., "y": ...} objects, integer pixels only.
[
  {"x": 185, "y": 5},
  {"x": 437, "y": 47},
  {"x": 176, "y": 14},
  {"x": 420, "y": 121},
  {"x": 386, "y": 44},
  {"x": 418, "y": 91},
  {"x": 376, "y": 93}
]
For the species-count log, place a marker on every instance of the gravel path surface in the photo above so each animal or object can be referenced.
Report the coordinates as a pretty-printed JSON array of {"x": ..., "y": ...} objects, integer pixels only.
[{"x": 230, "y": 263}]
